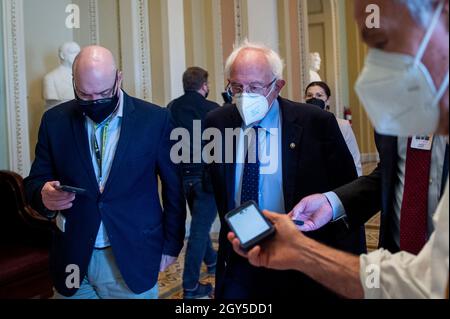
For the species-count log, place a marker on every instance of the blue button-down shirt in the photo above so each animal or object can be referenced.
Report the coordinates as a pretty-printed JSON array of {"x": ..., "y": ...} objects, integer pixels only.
[
  {"x": 271, "y": 194},
  {"x": 112, "y": 139}
]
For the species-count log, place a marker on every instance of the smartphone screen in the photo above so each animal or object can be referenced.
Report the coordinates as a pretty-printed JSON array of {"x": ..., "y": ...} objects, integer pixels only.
[{"x": 248, "y": 224}]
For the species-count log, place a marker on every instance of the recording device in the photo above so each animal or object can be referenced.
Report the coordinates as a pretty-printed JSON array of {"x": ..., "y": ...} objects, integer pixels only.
[
  {"x": 71, "y": 189},
  {"x": 250, "y": 225}
]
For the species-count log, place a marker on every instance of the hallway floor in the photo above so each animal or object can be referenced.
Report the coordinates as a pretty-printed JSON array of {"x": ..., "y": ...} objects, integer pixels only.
[{"x": 170, "y": 281}]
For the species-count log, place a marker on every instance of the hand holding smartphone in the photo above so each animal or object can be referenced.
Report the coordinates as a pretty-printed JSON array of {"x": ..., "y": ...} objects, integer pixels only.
[
  {"x": 71, "y": 189},
  {"x": 250, "y": 225}
]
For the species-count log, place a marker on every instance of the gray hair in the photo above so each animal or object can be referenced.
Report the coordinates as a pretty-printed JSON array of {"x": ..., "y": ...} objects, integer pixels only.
[
  {"x": 420, "y": 10},
  {"x": 275, "y": 62}
]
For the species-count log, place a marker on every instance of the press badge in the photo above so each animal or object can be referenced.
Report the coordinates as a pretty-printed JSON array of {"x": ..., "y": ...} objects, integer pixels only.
[
  {"x": 422, "y": 142},
  {"x": 61, "y": 223}
]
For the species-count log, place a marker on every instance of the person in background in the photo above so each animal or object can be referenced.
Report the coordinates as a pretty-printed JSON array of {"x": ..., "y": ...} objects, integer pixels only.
[
  {"x": 404, "y": 88},
  {"x": 319, "y": 93},
  {"x": 194, "y": 106},
  {"x": 115, "y": 238}
]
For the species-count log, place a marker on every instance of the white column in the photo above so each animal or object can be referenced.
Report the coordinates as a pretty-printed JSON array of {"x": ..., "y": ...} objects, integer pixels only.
[
  {"x": 303, "y": 31},
  {"x": 263, "y": 22},
  {"x": 16, "y": 87},
  {"x": 135, "y": 46},
  {"x": 174, "y": 47},
  {"x": 218, "y": 49},
  {"x": 198, "y": 32},
  {"x": 88, "y": 33}
]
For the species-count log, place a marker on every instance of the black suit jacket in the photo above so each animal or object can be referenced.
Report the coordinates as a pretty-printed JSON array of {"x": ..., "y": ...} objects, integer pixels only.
[
  {"x": 366, "y": 196},
  {"x": 139, "y": 229},
  {"x": 190, "y": 107},
  {"x": 320, "y": 161}
]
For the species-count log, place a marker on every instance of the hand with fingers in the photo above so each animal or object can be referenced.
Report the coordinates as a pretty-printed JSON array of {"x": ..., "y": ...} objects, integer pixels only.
[
  {"x": 54, "y": 199},
  {"x": 314, "y": 211},
  {"x": 280, "y": 252}
]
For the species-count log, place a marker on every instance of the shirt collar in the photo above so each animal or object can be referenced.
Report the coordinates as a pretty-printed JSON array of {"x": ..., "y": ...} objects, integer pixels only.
[{"x": 120, "y": 109}]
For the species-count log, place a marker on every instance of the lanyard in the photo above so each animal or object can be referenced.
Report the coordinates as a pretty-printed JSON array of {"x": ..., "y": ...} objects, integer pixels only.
[{"x": 100, "y": 154}]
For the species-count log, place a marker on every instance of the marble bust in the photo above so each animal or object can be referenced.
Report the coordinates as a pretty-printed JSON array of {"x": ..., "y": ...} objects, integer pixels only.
[
  {"x": 57, "y": 86},
  {"x": 315, "y": 62}
]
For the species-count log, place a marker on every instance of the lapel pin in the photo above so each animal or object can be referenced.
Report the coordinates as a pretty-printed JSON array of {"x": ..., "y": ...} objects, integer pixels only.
[{"x": 293, "y": 146}]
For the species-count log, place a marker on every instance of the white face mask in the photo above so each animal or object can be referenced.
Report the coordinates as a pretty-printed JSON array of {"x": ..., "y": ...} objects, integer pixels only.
[
  {"x": 398, "y": 91},
  {"x": 253, "y": 107}
]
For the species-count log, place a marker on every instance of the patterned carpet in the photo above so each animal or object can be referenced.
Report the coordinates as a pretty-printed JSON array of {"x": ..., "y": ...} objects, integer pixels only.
[{"x": 170, "y": 281}]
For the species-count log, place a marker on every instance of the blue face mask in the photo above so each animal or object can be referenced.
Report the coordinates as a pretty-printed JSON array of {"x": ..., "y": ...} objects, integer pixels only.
[{"x": 398, "y": 92}]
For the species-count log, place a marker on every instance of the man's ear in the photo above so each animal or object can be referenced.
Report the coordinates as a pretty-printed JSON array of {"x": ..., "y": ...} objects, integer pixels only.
[{"x": 280, "y": 84}]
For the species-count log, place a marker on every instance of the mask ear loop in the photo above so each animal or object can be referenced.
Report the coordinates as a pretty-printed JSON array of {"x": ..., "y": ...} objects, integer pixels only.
[
  {"x": 273, "y": 86},
  {"x": 441, "y": 91},
  {"x": 429, "y": 33}
]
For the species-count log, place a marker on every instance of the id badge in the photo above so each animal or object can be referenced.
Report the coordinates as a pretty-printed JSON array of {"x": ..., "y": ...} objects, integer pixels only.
[
  {"x": 423, "y": 143},
  {"x": 61, "y": 223}
]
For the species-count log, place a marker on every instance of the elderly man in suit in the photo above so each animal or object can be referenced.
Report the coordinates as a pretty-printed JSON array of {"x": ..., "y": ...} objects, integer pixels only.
[
  {"x": 306, "y": 153},
  {"x": 404, "y": 88},
  {"x": 114, "y": 239}
]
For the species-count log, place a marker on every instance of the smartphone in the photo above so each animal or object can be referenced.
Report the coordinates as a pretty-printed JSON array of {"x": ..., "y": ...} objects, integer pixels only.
[
  {"x": 71, "y": 189},
  {"x": 250, "y": 225}
]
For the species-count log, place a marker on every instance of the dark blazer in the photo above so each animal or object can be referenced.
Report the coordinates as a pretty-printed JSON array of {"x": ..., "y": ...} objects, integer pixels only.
[
  {"x": 366, "y": 196},
  {"x": 139, "y": 229},
  {"x": 187, "y": 108},
  {"x": 315, "y": 159}
]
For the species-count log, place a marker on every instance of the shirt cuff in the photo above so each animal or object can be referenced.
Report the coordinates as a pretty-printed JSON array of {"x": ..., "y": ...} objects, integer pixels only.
[
  {"x": 370, "y": 274},
  {"x": 336, "y": 205}
]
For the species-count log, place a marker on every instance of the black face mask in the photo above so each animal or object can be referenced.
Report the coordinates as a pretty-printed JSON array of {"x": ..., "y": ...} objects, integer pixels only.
[
  {"x": 98, "y": 110},
  {"x": 317, "y": 102},
  {"x": 227, "y": 98}
]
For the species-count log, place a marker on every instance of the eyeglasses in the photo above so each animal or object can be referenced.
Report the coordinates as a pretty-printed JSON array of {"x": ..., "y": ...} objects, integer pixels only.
[
  {"x": 105, "y": 94},
  {"x": 256, "y": 88}
]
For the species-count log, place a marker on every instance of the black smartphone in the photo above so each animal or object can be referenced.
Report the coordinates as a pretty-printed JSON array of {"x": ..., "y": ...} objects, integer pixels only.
[
  {"x": 249, "y": 224},
  {"x": 71, "y": 189}
]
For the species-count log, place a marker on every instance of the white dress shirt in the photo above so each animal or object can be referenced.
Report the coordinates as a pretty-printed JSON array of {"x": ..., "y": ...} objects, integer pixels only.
[
  {"x": 352, "y": 144},
  {"x": 403, "y": 275}
]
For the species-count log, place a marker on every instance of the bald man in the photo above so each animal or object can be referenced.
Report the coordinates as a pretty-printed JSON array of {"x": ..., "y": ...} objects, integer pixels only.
[{"x": 114, "y": 237}]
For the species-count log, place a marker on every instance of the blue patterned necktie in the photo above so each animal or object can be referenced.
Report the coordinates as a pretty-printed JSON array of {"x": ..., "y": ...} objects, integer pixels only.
[{"x": 250, "y": 180}]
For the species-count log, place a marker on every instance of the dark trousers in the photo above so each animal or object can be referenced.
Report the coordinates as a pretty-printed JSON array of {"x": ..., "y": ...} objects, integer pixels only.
[{"x": 203, "y": 210}]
